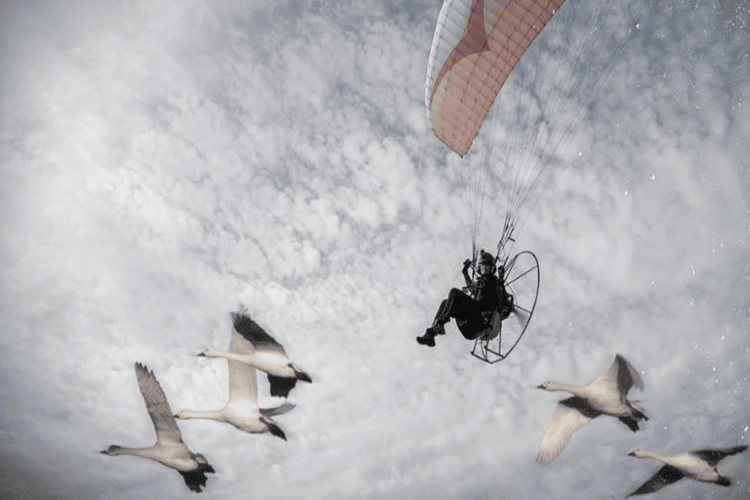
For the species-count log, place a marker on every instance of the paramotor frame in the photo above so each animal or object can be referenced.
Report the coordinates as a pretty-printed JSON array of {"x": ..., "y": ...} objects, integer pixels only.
[{"x": 522, "y": 283}]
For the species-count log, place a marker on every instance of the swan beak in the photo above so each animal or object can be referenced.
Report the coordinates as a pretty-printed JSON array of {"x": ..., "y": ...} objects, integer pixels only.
[
  {"x": 540, "y": 386},
  {"x": 631, "y": 454},
  {"x": 201, "y": 355}
]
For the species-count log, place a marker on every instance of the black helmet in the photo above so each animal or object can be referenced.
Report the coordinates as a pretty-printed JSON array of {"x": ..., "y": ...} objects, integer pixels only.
[{"x": 487, "y": 259}]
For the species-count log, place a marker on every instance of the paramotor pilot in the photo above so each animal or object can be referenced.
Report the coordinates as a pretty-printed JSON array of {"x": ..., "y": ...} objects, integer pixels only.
[{"x": 473, "y": 309}]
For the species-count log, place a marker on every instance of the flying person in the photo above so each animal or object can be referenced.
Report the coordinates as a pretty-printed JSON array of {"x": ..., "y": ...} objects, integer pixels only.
[{"x": 474, "y": 308}]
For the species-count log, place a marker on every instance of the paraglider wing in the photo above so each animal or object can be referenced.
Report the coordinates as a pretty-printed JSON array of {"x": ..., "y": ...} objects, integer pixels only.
[{"x": 476, "y": 45}]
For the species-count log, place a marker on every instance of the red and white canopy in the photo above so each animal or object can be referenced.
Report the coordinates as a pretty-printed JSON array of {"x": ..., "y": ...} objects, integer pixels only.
[{"x": 476, "y": 45}]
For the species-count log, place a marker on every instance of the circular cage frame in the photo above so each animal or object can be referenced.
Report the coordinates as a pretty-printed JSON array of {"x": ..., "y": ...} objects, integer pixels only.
[{"x": 522, "y": 280}]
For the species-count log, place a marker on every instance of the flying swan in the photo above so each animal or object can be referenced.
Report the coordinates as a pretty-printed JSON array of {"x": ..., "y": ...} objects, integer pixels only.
[
  {"x": 264, "y": 353},
  {"x": 606, "y": 394},
  {"x": 697, "y": 464},
  {"x": 169, "y": 449}
]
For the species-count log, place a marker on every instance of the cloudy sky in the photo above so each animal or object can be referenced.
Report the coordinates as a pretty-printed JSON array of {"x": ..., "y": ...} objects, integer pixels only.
[{"x": 162, "y": 161}]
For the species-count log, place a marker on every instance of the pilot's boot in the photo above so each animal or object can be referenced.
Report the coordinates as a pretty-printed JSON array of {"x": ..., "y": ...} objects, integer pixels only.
[
  {"x": 436, "y": 329},
  {"x": 427, "y": 339}
]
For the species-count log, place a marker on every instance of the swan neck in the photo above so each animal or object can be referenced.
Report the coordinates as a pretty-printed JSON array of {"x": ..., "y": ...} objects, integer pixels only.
[
  {"x": 571, "y": 388},
  {"x": 655, "y": 455},
  {"x": 216, "y": 353},
  {"x": 138, "y": 452}
]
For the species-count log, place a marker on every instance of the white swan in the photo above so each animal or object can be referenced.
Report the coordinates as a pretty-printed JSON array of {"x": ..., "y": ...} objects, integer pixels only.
[
  {"x": 169, "y": 449},
  {"x": 263, "y": 353},
  {"x": 605, "y": 394},
  {"x": 242, "y": 409},
  {"x": 697, "y": 464}
]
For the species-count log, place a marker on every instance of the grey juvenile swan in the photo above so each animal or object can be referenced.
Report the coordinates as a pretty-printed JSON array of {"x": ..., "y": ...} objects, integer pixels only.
[
  {"x": 169, "y": 449},
  {"x": 606, "y": 394},
  {"x": 242, "y": 409},
  {"x": 698, "y": 464},
  {"x": 263, "y": 353}
]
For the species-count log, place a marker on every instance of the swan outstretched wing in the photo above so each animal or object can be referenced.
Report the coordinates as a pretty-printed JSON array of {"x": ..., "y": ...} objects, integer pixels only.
[
  {"x": 627, "y": 376},
  {"x": 243, "y": 378},
  {"x": 570, "y": 415},
  {"x": 277, "y": 410},
  {"x": 243, "y": 382},
  {"x": 621, "y": 376},
  {"x": 253, "y": 333},
  {"x": 714, "y": 455},
  {"x": 157, "y": 406},
  {"x": 665, "y": 476}
]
